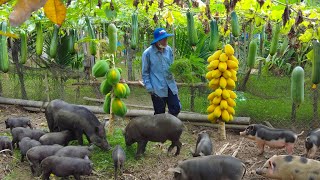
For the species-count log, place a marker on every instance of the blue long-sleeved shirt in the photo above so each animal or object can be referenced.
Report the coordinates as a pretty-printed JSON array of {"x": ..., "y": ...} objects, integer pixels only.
[{"x": 155, "y": 71}]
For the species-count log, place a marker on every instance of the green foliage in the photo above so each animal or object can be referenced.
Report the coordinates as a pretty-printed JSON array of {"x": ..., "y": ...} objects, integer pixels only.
[{"x": 188, "y": 70}]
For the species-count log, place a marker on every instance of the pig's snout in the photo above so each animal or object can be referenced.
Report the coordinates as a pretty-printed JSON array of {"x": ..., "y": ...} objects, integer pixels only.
[
  {"x": 243, "y": 133},
  {"x": 259, "y": 171}
]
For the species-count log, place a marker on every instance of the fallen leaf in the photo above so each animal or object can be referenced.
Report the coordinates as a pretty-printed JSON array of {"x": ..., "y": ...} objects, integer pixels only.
[
  {"x": 23, "y": 9},
  {"x": 56, "y": 11}
]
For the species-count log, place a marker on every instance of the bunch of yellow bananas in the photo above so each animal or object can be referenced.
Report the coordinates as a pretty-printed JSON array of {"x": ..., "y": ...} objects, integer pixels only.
[{"x": 222, "y": 74}]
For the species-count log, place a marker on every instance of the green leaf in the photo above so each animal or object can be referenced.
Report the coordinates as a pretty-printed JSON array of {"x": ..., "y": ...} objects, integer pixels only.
[
  {"x": 309, "y": 55},
  {"x": 110, "y": 14}
]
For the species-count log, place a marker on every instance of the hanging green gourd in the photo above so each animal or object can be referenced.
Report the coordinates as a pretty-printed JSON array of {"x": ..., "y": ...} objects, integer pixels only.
[{"x": 192, "y": 31}]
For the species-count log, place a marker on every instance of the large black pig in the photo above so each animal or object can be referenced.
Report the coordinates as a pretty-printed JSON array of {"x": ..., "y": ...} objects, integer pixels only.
[
  {"x": 18, "y": 122},
  {"x": 36, "y": 154},
  {"x": 77, "y": 119},
  {"x": 155, "y": 128},
  {"x": 65, "y": 166},
  {"x": 211, "y": 167}
]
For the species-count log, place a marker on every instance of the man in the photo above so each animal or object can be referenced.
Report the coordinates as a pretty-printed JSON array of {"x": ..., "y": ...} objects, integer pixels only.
[{"x": 158, "y": 81}]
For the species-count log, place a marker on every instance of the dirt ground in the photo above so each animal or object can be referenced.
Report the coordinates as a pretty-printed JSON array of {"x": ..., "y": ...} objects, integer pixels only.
[{"x": 156, "y": 162}]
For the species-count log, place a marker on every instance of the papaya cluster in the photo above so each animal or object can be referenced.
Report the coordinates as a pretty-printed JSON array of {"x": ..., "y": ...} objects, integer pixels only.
[
  {"x": 112, "y": 88},
  {"x": 222, "y": 75}
]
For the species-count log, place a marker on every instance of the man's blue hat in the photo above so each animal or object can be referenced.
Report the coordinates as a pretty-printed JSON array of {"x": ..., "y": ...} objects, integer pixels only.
[{"x": 160, "y": 34}]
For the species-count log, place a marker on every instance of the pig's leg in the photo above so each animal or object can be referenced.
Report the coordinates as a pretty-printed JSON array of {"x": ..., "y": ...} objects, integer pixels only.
[
  {"x": 260, "y": 147},
  {"x": 178, "y": 144},
  {"x": 22, "y": 158},
  {"x": 289, "y": 148},
  {"x": 78, "y": 134},
  {"x": 141, "y": 148},
  {"x": 45, "y": 175},
  {"x": 76, "y": 176}
]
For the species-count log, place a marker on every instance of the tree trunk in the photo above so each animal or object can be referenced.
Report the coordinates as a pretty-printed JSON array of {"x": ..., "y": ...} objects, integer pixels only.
[
  {"x": 130, "y": 57},
  {"x": 315, "y": 121},
  {"x": 19, "y": 67},
  {"x": 293, "y": 113},
  {"x": 242, "y": 87}
]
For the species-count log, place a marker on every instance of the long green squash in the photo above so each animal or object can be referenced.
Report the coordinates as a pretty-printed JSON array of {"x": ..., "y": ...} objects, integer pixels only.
[
  {"x": 134, "y": 31},
  {"x": 39, "y": 38},
  {"x": 23, "y": 47},
  {"x": 54, "y": 42},
  {"x": 315, "y": 75},
  {"x": 235, "y": 28},
  {"x": 297, "y": 85},
  {"x": 71, "y": 41},
  {"x": 192, "y": 31},
  {"x": 252, "y": 53},
  {"x": 214, "y": 35},
  {"x": 92, "y": 45},
  {"x": 113, "y": 38},
  {"x": 275, "y": 39},
  {"x": 4, "y": 58}
]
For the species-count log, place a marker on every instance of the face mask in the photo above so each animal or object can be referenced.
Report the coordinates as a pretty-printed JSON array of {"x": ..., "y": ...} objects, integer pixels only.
[{"x": 161, "y": 46}]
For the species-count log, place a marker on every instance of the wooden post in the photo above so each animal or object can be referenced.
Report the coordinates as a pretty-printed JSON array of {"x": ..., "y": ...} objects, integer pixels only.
[
  {"x": 47, "y": 86},
  {"x": 192, "y": 96}
]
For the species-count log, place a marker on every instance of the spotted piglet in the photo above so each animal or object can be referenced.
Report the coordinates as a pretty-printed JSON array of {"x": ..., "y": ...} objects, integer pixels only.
[
  {"x": 312, "y": 143},
  {"x": 272, "y": 137},
  {"x": 287, "y": 167}
]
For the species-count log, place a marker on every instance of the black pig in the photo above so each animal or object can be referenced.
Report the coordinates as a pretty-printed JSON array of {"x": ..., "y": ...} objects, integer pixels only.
[
  {"x": 19, "y": 132},
  {"x": 5, "y": 143},
  {"x": 312, "y": 143},
  {"x": 155, "y": 128},
  {"x": 17, "y": 122},
  {"x": 36, "y": 154},
  {"x": 203, "y": 146},
  {"x": 75, "y": 151},
  {"x": 62, "y": 138},
  {"x": 65, "y": 166},
  {"x": 25, "y": 144},
  {"x": 118, "y": 157},
  {"x": 77, "y": 119},
  {"x": 209, "y": 168}
]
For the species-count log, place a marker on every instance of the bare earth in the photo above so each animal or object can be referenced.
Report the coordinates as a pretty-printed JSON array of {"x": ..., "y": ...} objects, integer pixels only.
[{"x": 155, "y": 163}]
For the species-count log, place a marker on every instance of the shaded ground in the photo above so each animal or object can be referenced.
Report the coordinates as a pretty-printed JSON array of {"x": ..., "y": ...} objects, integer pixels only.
[{"x": 155, "y": 163}]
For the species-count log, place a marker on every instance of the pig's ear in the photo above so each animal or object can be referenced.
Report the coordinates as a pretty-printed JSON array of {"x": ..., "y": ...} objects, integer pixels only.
[
  {"x": 86, "y": 158},
  {"x": 271, "y": 165},
  {"x": 176, "y": 170},
  {"x": 105, "y": 121}
]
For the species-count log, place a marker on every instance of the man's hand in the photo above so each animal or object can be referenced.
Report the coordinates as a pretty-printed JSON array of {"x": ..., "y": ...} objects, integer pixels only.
[{"x": 153, "y": 94}]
